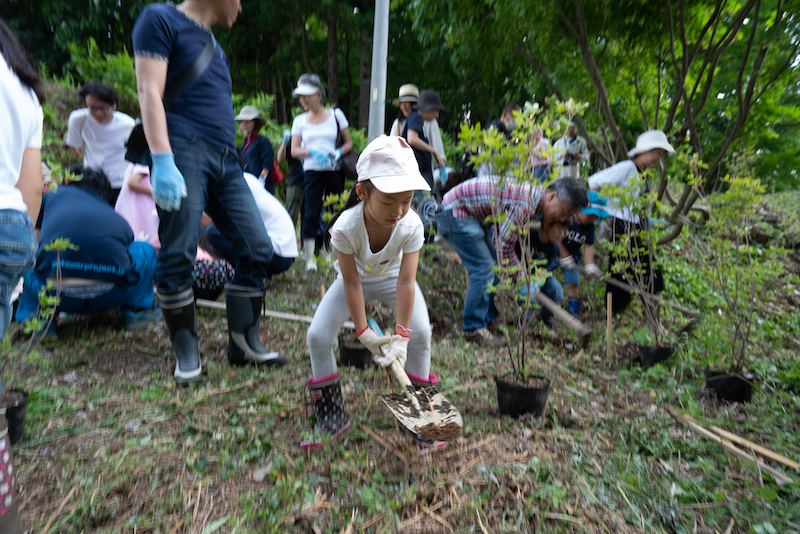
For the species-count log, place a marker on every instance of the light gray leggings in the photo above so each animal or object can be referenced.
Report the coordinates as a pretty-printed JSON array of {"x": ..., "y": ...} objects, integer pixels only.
[{"x": 332, "y": 313}]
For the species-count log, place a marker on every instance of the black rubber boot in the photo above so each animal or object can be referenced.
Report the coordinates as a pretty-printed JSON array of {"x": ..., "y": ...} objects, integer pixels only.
[
  {"x": 244, "y": 317},
  {"x": 179, "y": 316},
  {"x": 326, "y": 397}
]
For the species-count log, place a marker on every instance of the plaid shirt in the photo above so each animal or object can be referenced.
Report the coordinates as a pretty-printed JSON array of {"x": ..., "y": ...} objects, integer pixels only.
[{"x": 475, "y": 198}]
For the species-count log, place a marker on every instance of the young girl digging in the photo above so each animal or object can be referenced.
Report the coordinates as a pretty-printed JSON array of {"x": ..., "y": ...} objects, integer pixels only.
[{"x": 377, "y": 238}]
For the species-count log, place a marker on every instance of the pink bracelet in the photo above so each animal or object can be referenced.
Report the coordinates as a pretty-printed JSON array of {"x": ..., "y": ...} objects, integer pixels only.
[{"x": 403, "y": 328}]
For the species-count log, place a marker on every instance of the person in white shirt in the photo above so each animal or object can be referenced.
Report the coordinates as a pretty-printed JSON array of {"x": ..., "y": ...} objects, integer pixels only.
[
  {"x": 650, "y": 148},
  {"x": 314, "y": 135},
  {"x": 569, "y": 152},
  {"x": 377, "y": 238},
  {"x": 97, "y": 133},
  {"x": 278, "y": 224},
  {"x": 21, "y": 119}
]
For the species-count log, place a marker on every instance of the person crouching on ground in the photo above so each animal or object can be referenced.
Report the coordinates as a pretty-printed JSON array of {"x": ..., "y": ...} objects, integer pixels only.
[
  {"x": 460, "y": 222},
  {"x": 377, "y": 238},
  {"x": 106, "y": 270},
  {"x": 651, "y": 147},
  {"x": 581, "y": 234}
]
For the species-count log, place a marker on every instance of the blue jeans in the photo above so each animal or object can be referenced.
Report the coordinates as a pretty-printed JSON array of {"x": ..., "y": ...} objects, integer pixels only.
[
  {"x": 318, "y": 185},
  {"x": 17, "y": 252},
  {"x": 138, "y": 296},
  {"x": 214, "y": 183},
  {"x": 541, "y": 173},
  {"x": 474, "y": 246},
  {"x": 223, "y": 247},
  {"x": 553, "y": 290}
]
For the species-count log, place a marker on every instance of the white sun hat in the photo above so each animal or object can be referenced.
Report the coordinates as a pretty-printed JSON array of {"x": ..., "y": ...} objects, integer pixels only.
[
  {"x": 389, "y": 163},
  {"x": 648, "y": 141}
]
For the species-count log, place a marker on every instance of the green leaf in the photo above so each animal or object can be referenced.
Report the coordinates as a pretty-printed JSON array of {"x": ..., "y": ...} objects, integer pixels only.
[{"x": 214, "y": 526}]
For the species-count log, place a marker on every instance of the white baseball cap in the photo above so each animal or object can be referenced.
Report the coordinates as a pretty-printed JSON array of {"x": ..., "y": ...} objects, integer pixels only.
[
  {"x": 389, "y": 163},
  {"x": 649, "y": 140}
]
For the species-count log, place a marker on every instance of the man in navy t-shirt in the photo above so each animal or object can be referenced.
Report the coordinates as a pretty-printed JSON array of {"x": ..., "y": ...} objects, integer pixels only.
[
  {"x": 581, "y": 235},
  {"x": 195, "y": 168},
  {"x": 103, "y": 269}
]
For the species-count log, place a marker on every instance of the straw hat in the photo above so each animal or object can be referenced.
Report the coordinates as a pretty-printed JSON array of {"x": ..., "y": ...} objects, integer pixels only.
[
  {"x": 648, "y": 141},
  {"x": 408, "y": 93},
  {"x": 250, "y": 113}
]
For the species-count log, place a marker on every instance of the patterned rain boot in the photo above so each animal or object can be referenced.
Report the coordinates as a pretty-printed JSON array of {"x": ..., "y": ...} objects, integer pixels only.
[
  {"x": 9, "y": 516},
  {"x": 574, "y": 306},
  {"x": 244, "y": 317},
  {"x": 419, "y": 383},
  {"x": 179, "y": 316},
  {"x": 326, "y": 397}
]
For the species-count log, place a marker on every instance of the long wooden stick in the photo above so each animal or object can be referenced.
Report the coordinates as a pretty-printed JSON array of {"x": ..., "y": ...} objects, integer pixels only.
[
  {"x": 657, "y": 298},
  {"x": 202, "y": 303},
  {"x": 763, "y": 451},
  {"x": 779, "y": 477}
]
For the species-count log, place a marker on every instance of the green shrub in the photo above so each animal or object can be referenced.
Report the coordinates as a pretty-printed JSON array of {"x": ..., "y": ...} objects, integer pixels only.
[{"x": 114, "y": 70}]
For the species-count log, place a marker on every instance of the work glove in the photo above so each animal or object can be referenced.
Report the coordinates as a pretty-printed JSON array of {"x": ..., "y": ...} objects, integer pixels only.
[
  {"x": 568, "y": 263},
  {"x": 443, "y": 177},
  {"x": 287, "y": 137},
  {"x": 337, "y": 155},
  {"x": 373, "y": 341},
  {"x": 322, "y": 159},
  {"x": 398, "y": 350},
  {"x": 169, "y": 186},
  {"x": 593, "y": 270}
]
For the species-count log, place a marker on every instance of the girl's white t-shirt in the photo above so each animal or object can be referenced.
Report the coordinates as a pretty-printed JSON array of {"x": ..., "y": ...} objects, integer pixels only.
[
  {"x": 21, "y": 119},
  {"x": 349, "y": 236},
  {"x": 320, "y": 137}
]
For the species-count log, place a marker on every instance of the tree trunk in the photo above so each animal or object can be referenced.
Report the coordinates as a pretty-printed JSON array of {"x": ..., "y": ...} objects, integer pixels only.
[
  {"x": 365, "y": 76},
  {"x": 304, "y": 41},
  {"x": 333, "y": 58}
]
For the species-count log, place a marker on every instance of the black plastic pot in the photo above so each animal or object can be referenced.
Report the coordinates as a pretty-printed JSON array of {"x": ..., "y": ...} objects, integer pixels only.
[
  {"x": 733, "y": 388},
  {"x": 515, "y": 400},
  {"x": 16, "y": 417},
  {"x": 649, "y": 356},
  {"x": 352, "y": 352}
]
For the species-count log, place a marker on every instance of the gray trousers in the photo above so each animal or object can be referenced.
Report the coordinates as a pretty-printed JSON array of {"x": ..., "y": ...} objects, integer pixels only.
[
  {"x": 295, "y": 195},
  {"x": 332, "y": 314}
]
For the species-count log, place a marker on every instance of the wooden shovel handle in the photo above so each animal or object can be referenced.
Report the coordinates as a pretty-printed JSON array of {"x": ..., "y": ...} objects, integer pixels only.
[
  {"x": 397, "y": 369},
  {"x": 578, "y": 327}
]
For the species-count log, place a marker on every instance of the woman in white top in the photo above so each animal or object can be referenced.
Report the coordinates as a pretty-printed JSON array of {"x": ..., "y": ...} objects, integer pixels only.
[
  {"x": 21, "y": 120},
  {"x": 406, "y": 99},
  {"x": 314, "y": 135}
]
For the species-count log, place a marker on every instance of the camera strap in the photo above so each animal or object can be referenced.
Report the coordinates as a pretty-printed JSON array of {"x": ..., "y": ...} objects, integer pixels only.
[{"x": 195, "y": 70}]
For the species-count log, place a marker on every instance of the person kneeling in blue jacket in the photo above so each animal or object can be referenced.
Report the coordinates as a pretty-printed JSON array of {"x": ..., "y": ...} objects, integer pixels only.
[{"x": 103, "y": 269}]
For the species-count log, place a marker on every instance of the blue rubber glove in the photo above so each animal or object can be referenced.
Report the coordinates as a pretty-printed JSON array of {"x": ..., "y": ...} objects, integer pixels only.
[
  {"x": 287, "y": 137},
  {"x": 169, "y": 186},
  {"x": 337, "y": 155},
  {"x": 443, "y": 176},
  {"x": 322, "y": 159}
]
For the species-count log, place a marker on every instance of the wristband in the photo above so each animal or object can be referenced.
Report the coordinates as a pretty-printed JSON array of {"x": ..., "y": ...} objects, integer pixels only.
[
  {"x": 367, "y": 328},
  {"x": 403, "y": 328}
]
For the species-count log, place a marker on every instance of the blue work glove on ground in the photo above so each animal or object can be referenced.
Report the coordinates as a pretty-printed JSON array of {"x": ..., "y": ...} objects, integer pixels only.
[
  {"x": 322, "y": 159},
  {"x": 337, "y": 155},
  {"x": 442, "y": 176},
  {"x": 169, "y": 186},
  {"x": 287, "y": 137}
]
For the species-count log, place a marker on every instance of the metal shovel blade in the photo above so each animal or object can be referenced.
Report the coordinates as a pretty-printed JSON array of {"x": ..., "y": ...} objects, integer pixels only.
[{"x": 426, "y": 413}]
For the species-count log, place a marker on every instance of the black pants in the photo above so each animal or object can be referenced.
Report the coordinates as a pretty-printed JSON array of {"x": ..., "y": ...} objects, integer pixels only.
[{"x": 650, "y": 274}]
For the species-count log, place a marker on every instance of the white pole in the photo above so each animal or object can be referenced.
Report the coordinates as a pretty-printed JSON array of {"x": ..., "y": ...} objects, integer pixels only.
[{"x": 380, "y": 50}]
